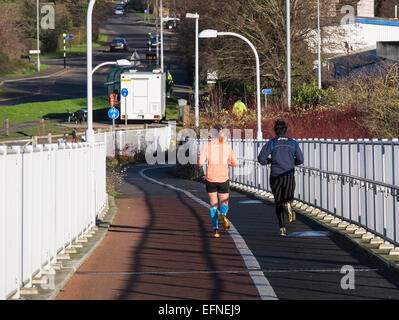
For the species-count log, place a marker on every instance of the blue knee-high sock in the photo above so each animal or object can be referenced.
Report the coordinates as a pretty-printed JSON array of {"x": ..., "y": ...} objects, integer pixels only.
[
  {"x": 223, "y": 209},
  {"x": 214, "y": 217}
]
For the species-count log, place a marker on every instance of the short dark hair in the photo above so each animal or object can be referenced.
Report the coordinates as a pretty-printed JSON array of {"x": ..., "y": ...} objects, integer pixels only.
[{"x": 280, "y": 127}]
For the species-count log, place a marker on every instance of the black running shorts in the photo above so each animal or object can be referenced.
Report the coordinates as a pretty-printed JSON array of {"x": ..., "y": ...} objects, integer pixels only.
[
  {"x": 220, "y": 187},
  {"x": 283, "y": 189}
]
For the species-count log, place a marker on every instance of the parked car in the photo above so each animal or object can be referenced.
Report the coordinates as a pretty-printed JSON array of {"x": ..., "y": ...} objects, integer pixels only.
[
  {"x": 118, "y": 44},
  {"x": 119, "y": 10}
]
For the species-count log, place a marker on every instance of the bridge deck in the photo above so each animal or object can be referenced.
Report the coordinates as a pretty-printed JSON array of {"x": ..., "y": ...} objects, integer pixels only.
[{"x": 160, "y": 246}]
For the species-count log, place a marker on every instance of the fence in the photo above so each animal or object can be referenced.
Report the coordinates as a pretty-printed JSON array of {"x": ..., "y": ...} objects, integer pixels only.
[
  {"x": 355, "y": 180},
  {"x": 130, "y": 142},
  {"x": 49, "y": 196}
]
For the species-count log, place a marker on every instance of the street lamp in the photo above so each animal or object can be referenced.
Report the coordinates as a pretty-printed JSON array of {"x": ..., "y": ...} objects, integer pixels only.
[
  {"x": 318, "y": 44},
  {"x": 38, "y": 43},
  {"x": 90, "y": 71},
  {"x": 209, "y": 33},
  {"x": 288, "y": 26},
  {"x": 121, "y": 63},
  {"x": 196, "y": 17},
  {"x": 89, "y": 131},
  {"x": 161, "y": 37}
]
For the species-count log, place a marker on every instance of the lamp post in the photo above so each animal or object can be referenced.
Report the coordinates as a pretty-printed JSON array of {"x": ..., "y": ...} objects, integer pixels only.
[
  {"x": 122, "y": 62},
  {"x": 208, "y": 33},
  {"x": 90, "y": 71},
  {"x": 196, "y": 99},
  {"x": 38, "y": 41},
  {"x": 288, "y": 26},
  {"x": 162, "y": 67},
  {"x": 89, "y": 131},
  {"x": 318, "y": 44}
]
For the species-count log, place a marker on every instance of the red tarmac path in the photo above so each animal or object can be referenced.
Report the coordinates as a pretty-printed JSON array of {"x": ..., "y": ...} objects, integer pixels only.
[{"x": 160, "y": 246}]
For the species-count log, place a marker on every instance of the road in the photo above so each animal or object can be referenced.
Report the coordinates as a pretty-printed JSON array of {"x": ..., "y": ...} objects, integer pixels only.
[
  {"x": 160, "y": 246},
  {"x": 72, "y": 83}
]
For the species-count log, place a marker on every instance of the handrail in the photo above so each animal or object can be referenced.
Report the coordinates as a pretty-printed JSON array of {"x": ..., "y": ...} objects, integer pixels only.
[{"x": 353, "y": 180}]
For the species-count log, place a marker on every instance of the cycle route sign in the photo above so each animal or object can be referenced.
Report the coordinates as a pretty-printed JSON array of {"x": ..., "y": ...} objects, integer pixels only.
[{"x": 113, "y": 113}]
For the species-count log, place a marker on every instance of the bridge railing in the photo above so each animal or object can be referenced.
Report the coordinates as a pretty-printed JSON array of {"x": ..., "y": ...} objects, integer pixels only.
[
  {"x": 129, "y": 142},
  {"x": 50, "y": 195},
  {"x": 355, "y": 180}
]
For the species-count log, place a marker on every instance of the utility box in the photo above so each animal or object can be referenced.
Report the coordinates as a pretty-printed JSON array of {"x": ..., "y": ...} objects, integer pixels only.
[{"x": 143, "y": 95}]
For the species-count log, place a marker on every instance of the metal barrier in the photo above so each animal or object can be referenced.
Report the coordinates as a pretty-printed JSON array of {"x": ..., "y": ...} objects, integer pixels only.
[
  {"x": 354, "y": 180},
  {"x": 49, "y": 196},
  {"x": 129, "y": 142}
]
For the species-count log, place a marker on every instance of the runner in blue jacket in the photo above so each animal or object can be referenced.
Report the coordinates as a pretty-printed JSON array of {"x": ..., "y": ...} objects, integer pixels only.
[{"x": 283, "y": 153}]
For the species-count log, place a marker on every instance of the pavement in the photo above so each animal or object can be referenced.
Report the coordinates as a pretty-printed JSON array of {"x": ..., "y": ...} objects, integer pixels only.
[{"x": 159, "y": 246}]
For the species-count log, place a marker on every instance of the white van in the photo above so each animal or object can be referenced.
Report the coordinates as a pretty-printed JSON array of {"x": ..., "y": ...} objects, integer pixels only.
[{"x": 146, "y": 95}]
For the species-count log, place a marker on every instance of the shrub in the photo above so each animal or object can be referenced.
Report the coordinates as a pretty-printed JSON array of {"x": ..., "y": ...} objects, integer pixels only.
[
  {"x": 308, "y": 94},
  {"x": 188, "y": 171}
]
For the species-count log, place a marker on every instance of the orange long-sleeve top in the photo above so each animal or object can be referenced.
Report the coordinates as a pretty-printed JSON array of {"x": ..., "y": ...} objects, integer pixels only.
[{"x": 220, "y": 156}]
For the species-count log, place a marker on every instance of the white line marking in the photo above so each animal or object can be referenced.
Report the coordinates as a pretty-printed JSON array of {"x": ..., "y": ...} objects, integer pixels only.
[{"x": 266, "y": 291}]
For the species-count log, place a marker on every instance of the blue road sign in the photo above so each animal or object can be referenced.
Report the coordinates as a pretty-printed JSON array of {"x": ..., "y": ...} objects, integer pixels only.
[
  {"x": 69, "y": 36},
  {"x": 113, "y": 113},
  {"x": 267, "y": 91},
  {"x": 124, "y": 92}
]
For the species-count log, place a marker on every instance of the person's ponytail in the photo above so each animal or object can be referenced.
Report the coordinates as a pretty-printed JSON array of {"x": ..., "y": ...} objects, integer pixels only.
[{"x": 221, "y": 137}]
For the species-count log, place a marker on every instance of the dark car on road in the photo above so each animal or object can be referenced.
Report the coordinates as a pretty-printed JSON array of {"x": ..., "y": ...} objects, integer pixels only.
[
  {"x": 172, "y": 23},
  {"x": 119, "y": 10},
  {"x": 118, "y": 44}
]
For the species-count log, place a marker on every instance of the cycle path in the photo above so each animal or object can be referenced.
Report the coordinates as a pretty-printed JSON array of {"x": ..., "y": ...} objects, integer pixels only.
[{"x": 160, "y": 246}]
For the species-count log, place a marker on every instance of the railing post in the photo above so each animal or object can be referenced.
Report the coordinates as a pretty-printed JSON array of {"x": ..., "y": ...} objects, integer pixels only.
[
  {"x": 27, "y": 218},
  {"x": 3, "y": 259},
  {"x": 395, "y": 181},
  {"x": 18, "y": 224},
  {"x": 384, "y": 202},
  {"x": 39, "y": 202},
  {"x": 60, "y": 199},
  {"x": 359, "y": 202}
]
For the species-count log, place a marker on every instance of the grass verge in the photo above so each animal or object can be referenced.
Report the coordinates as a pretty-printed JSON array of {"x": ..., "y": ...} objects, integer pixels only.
[
  {"x": 143, "y": 15},
  {"x": 30, "y": 131},
  {"x": 172, "y": 109},
  {"x": 48, "y": 110},
  {"x": 76, "y": 50},
  {"x": 27, "y": 72}
]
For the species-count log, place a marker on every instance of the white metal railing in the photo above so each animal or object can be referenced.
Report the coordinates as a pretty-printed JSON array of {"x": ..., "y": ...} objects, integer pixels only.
[
  {"x": 131, "y": 141},
  {"x": 355, "y": 180},
  {"x": 49, "y": 196}
]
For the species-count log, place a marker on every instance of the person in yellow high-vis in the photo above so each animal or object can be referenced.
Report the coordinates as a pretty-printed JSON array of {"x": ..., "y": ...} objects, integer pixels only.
[
  {"x": 239, "y": 108},
  {"x": 169, "y": 84}
]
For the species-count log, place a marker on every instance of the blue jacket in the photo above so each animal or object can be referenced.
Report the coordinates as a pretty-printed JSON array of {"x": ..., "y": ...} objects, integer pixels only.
[{"x": 285, "y": 155}]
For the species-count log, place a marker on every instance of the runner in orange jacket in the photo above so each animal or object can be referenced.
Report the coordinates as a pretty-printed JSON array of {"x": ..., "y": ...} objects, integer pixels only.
[{"x": 219, "y": 155}]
